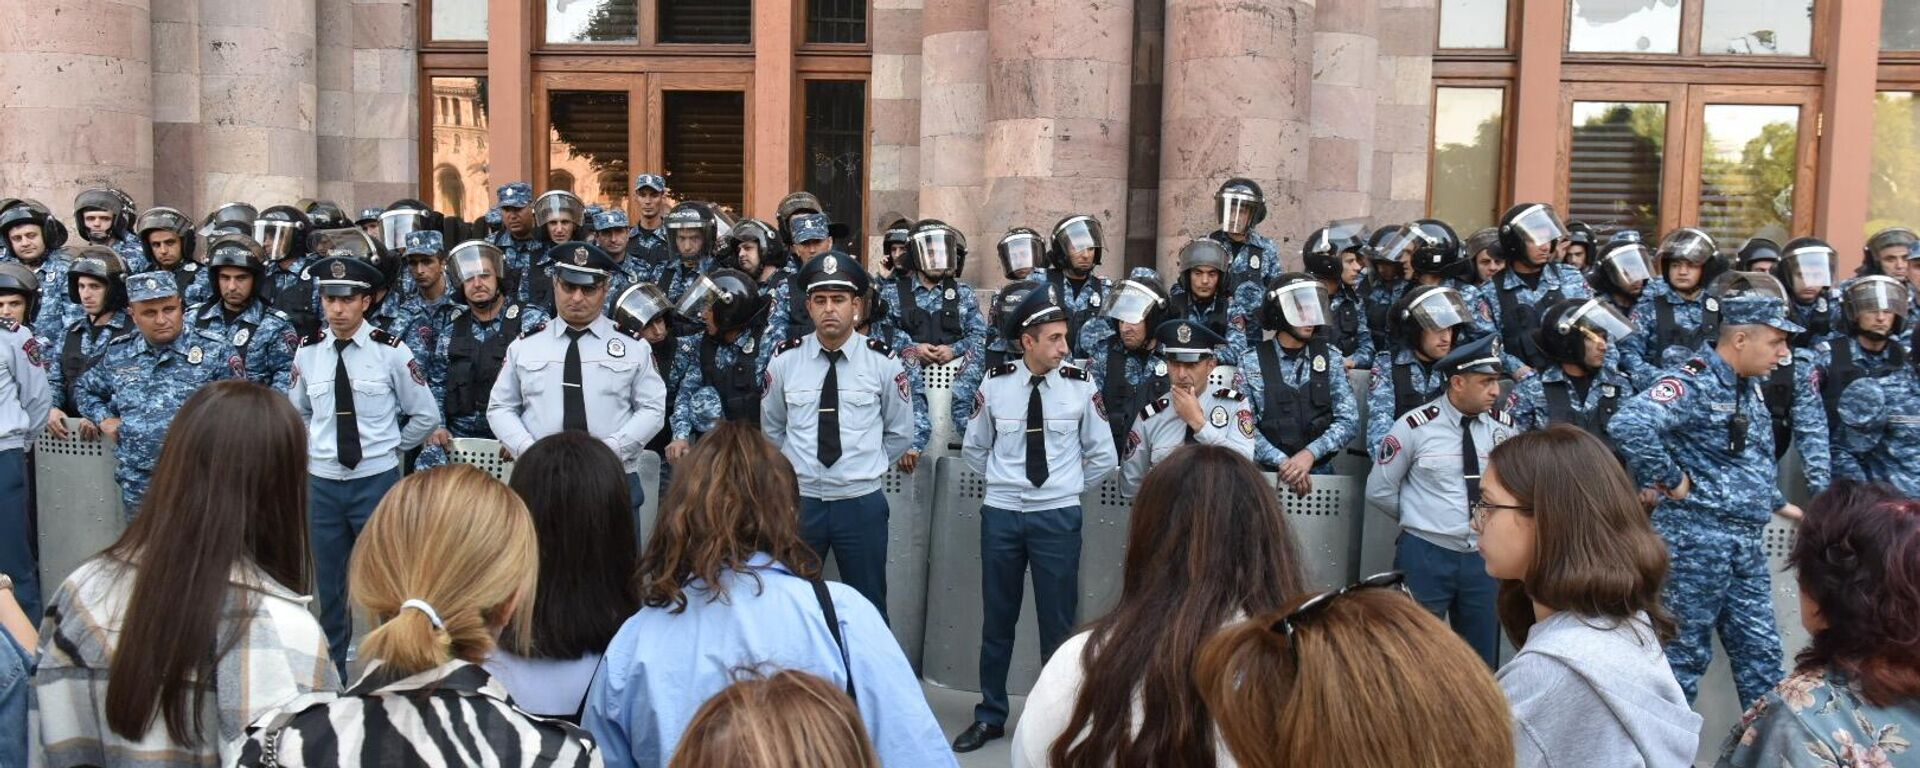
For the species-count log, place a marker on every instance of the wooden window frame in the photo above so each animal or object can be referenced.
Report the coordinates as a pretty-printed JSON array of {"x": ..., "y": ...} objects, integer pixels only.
[
  {"x": 1512, "y": 36},
  {"x": 838, "y": 69},
  {"x": 1692, "y": 21},
  {"x": 1503, "y": 191},
  {"x": 423, "y": 21}
]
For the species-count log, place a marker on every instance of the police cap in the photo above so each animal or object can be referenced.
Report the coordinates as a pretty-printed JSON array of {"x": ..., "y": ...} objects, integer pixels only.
[
  {"x": 1185, "y": 341},
  {"x": 1481, "y": 355}
]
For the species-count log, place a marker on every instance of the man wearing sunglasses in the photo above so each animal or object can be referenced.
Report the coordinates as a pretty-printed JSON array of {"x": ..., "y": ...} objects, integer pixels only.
[{"x": 1428, "y": 478}]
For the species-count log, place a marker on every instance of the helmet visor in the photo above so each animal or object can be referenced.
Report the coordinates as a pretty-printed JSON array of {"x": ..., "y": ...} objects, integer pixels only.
[
  {"x": 1687, "y": 245},
  {"x": 1130, "y": 302},
  {"x": 1304, "y": 304},
  {"x": 1627, "y": 264},
  {"x": 396, "y": 225},
  {"x": 1237, "y": 211},
  {"x": 474, "y": 258},
  {"x": 232, "y": 213},
  {"x": 1020, "y": 251},
  {"x": 935, "y": 252},
  {"x": 98, "y": 199},
  {"x": 163, "y": 218},
  {"x": 1538, "y": 225},
  {"x": 639, "y": 305},
  {"x": 1810, "y": 266},
  {"x": 1733, "y": 285},
  {"x": 1877, "y": 294},
  {"x": 1079, "y": 234},
  {"x": 1600, "y": 318},
  {"x": 1399, "y": 246},
  {"x": 351, "y": 242},
  {"x": 696, "y": 298},
  {"x": 1440, "y": 310},
  {"x": 275, "y": 238}
]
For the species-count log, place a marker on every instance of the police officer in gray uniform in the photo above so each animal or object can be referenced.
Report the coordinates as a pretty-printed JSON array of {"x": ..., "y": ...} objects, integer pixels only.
[
  {"x": 354, "y": 385},
  {"x": 1437, "y": 548},
  {"x": 1039, "y": 438},
  {"x": 580, "y": 372},
  {"x": 840, "y": 407},
  {"x": 1191, "y": 412}
]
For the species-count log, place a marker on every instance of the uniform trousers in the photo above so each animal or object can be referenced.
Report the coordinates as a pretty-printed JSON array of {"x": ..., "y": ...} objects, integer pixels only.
[
  {"x": 1453, "y": 586},
  {"x": 637, "y": 493},
  {"x": 855, "y": 531},
  {"x": 1719, "y": 581},
  {"x": 16, "y": 532},
  {"x": 1010, "y": 542},
  {"x": 337, "y": 511}
]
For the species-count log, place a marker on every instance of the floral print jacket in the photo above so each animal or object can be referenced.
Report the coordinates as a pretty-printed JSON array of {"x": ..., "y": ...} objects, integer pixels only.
[{"x": 1817, "y": 719}]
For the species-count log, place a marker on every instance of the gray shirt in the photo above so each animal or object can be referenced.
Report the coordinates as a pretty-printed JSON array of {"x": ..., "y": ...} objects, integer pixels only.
[
  {"x": 1418, "y": 478},
  {"x": 387, "y": 384},
  {"x": 25, "y": 398},
  {"x": 1594, "y": 693},
  {"x": 625, "y": 397},
  {"x": 875, "y": 413},
  {"x": 1079, "y": 445},
  {"x": 1159, "y": 431}
]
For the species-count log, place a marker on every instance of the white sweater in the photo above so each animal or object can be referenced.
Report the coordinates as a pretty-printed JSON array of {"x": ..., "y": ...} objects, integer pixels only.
[{"x": 1050, "y": 706}]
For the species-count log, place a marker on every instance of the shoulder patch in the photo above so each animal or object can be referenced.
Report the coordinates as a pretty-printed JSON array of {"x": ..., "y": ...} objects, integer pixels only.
[
  {"x": 789, "y": 345},
  {"x": 1667, "y": 390},
  {"x": 313, "y": 338},
  {"x": 280, "y": 314},
  {"x": 1423, "y": 415},
  {"x": 537, "y": 327},
  {"x": 1154, "y": 407},
  {"x": 1074, "y": 372},
  {"x": 1229, "y": 393},
  {"x": 382, "y": 337},
  {"x": 879, "y": 346},
  {"x": 1003, "y": 369}
]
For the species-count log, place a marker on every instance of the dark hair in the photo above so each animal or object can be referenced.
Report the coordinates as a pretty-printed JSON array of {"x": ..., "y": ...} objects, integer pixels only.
[
  {"x": 1858, "y": 553},
  {"x": 576, "y": 490},
  {"x": 1208, "y": 542},
  {"x": 744, "y": 500},
  {"x": 1595, "y": 552},
  {"x": 220, "y": 497}
]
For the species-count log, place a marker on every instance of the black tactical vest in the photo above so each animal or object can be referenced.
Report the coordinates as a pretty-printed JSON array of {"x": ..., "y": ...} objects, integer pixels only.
[
  {"x": 923, "y": 326},
  {"x": 738, "y": 384},
  {"x": 1292, "y": 417},
  {"x": 1518, "y": 322},
  {"x": 1124, "y": 398},
  {"x": 1346, "y": 325},
  {"x": 297, "y": 302},
  {"x": 472, "y": 365},
  {"x": 1405, "y": 396}
]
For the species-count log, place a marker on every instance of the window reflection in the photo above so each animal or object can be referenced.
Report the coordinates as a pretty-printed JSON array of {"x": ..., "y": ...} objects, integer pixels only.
[
  {"x": 587, "y": 145},
  {"x": 1624, "y": 26},
  {"x": 1618, "y": 155},
  {"x": 1892, "y": 197},
  {"x": 1467, "y": 133},
  {"x": 835, "y": 164},
  {"x": 1747, "y": 171},
  {"x": 459, "y": 20},
  {"x": 459, "y": 148},
  {"x": 706, "y": 136},
  {"x": 1473, "y": 23},
  {"x": 593, "y": 21},
  {"x": 1899, "y": 25},
  {"x": 1757, "y": 27}
]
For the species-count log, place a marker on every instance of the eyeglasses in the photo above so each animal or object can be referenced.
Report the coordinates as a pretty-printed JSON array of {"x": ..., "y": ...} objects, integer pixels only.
[
  {"x": 1289, "y": 624},
  {"x": 1482, "y": 511}
]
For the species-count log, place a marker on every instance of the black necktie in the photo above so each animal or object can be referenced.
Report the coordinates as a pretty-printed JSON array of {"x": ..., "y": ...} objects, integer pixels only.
[
  {"x": 1469, "y": 461},
  {"x": 829, "y": 425},
  {"x": 1036, "y": 436},
  {"x": 346, "y": 425},
  {"x": 574, "y": 401}
]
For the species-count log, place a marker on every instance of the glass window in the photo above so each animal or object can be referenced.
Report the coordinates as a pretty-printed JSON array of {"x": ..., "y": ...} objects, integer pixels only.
[
  {"x": 459, "y": 20},
  {"x": 704, "y": 148},
  {"x": 459, "y": 179},
  {"x": 1624, "y": 26},
  {"x": 1467, "y": 134},
  {"x": 1757, "y": 27},
  {"x": 836, "y": 150},
  {"x": 1891, "y": 199},
  {"x": 1899, "y": 25},
  {"x": 1747, "y": 171},
  {"x": 708, "y": 21},
  {"x": 587, "y": 152},
  {"x": 837, "y": 21},
  {"x": 1473, "y": 23},
  {"x": 1619, "y": 152},
  {"x": 593, "y": 21}
]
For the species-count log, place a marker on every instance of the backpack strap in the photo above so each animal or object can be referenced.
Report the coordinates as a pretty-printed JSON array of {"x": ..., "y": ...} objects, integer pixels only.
[{"x": 833, "y": 626}]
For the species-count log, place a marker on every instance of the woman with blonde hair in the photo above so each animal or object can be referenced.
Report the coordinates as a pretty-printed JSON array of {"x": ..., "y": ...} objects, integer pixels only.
[
  {"x": 1359, "y": 677},
  {"x": 725, "y": 582},
  {"x": 447, "y": 560},
  {"x": 779, "y": 719}
]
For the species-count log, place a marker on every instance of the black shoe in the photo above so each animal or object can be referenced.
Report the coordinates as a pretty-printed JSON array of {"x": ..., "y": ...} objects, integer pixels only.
[{"x": 977, "y": 736}]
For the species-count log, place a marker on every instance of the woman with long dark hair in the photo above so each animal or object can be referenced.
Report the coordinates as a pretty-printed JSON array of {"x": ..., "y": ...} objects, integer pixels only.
[
  {"x": 1208, "y": 545},
  {"x": 1854, "y": 696},
  {"x": 1580, "y": 570},
  {"x": 160, "y": 650},
  {"x": 576, "y": 490}
]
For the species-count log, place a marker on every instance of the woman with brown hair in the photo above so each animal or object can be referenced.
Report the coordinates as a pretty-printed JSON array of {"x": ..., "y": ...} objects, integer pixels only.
[
  {"x": 726, "y": 581},
  {"x": 781, "y": 719},
  {"x": 1360, "y": 677},
  {"x": 1580, "y": 570},
  {"x": 160, "y": 650},
  {"x": 1208, "y": 545},
  {"x": 446, "y": 562},
  {"x": 1854, "y": 696}
]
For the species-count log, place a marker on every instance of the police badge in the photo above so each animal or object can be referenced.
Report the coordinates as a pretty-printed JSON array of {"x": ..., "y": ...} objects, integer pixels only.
[
  {"x": 513, "y": 312},
  {"x": 1608, "y": 390},
  {"x": 1253, "y": 262},
  {"x": 949, "y": 294},
  {"x": 1094, "y": 300},
  {"x": 1159, "y": 367},
  {"x": 339, "y": 270},
  {"x": 1219, "y": 416},
  {"x": 240, "y": 339},
  {"x": 1319, "y": 364},
  {"x": 1184, "y": 333},
  {"x": 615, "y": 348},
  {"x": 748, "y": 346},
  {"x": 830, "y": 265},
  {"x": 194, "y": 355}
]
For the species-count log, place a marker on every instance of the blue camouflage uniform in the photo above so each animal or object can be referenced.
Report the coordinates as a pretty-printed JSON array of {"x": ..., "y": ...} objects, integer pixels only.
[
  {"x": 1081, "y": 300},
  {"x": 76, "y": 348},
  {"x": 973, "y": 370},
  {"x": 1384, "y": 398},
  {"x": 781, "y": 322},
  {"x": 1806, "y": 417},
  {"x": 1876, "y": 430},
  {"x": 1296, "y": 402},
  {"x": 263, "y": 336},
  {"x": 1234, "y": 321},
  {"x": 697, "y": 405},
  {"x": 281, "y": 275},
  {"x": 1141, "y": 377},
  {"x": 432, "y": 337},
  {"x": 916, "y": 380},
  {"x": 1255, "y": 261},
  {"x": 1685, "y": 427},
  {"x": 1377, "y": 298},
  {"x": 1606, "y": 389},
  {"x": 413, "y": 305},
  {"x": 1656, "y": 348},
  {"x": 1821, "y": 317},
  {"x": 1836, "y": 365},
  {"x": 967, "y": 325},
  {"x": 649, "y": 249},
  {"x": 1349, "y": 307},
  {"x": 52, "y": 313},
  {"x": 131, "y": 251},
  {"x": 519, "y": 256},
  {"x": 1523, "y": 299}
]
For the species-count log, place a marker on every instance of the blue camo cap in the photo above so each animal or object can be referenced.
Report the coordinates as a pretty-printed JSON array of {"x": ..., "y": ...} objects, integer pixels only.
[
  {"x": 810, "y": 226},
  {"x": 148, "y": 286},
  {"x": 425, "y": 242},
  {"x": 1757, "y": 310},
  {"x": 611, "y": 218},
  {"x": 517, "y": 194},
  {"x": 649, "y": 181}
]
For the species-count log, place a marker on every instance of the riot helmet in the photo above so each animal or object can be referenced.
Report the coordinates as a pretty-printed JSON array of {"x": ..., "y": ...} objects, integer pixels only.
[
  {"x": 1527, "y": 226},
  {"x": 1427, "y": 308},
  {"x": 355, "y": 243},
  {"x": 100, "y": 263},
  {"x": 1138, "y": 299},
  {"x": 1875, "y": 293},
  {"x": 324, "y": 214},
  {"x": 638, "y": 306},
  {"x": 1429, "y": 245},
  {"x": 1693, "y": 246},
  {"x": 399, "y": 220},
  {"x": 281, "y": 231},
  {"x": 1756, "y": 250},
  {"x": 764, "y": 238},
  {"x": 1239, "y": 206},
  {"x": 19, "y": 279},
  {"x": 1020, "y": 248},
  {"x": 1806, "y": 262},
  {"x": 238, "y": 251},
  {"x": 939, "y": 251},
  {"x": 1004, "y": 312},
  {"x": 1074, "y": 234},
  {"x": 1323, "y": 253},
  {"x": 230, "y": 217},
  {"x": 1565, "y": 326},
  {"x": 895, "y": 232},
  {"x": 471, "y": 259},
  {"x": 734, "y": 297},
  {"x": 106, "y": 200},
  {"x": 1580, "y": 233},
  {"x": 695, "y": 217},
  {"x": 1204, "y": 253},
  {"x": 1295, "y": 300},
  {"x": 1890, "y": 237},
  {"x": 24, "y": 215},
  {"x": 171, "y": 220},
  {"x": 558, "y": 205}
]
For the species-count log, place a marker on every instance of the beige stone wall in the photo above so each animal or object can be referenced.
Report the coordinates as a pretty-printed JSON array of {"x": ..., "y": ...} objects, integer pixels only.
[
  {"x": 76, "y": 99},
  {"x": 1403, "y": 108},
  {"x": 894, "y": 105},
  {"x": 1346, "y": 49},
  {"x": 952, "y": 122}
]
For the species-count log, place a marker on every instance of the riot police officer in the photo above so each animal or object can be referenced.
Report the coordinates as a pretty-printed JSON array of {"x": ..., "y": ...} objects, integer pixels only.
[
  {"x": 691, "y": 235},
  {"x": 795, "y": 205},
  {"x": 424, "y": 252},
  {"x": 1620, "y": 272},
  {"x": 1192, "y": 412},
  {"x": 105, "y": 216},
  {"x": 1888, "y": 251},
  {"x": 1699, "y": 437},
  {"x": 1807, "y": 269},
  {"x": 96, "y": 284},
  {"x": 895, "y": 241},
  {"x": 717, "y": 371},
  {"x": 556, "y": 217},
  {"x": 936, "y": 309},
  {"x": 1582, "y": 386},
  {"x": 811, "y": 234},
  {"x": 462, "y": 344},
  {"x": 35, "y": 241},
  {"x": 1530, "y": 235},
  {"x": 1757, "y": 254},
  {"x": 1039, "y": 438},
  {"x": 284, "y": 234},
  {"x": 1239, "y": 206},
  {"x": 1021, "y": 252},
  {"x": 753, "y": 247},
  {"x": 1386, "y": 281},
  {"x": 1124, "y": 359},
  {"x": 1333, "y": 255},
  {"x": 1577, "y": 250},
  {"x": 1434, "y": 253},
  {"x": 1001, "y": 345},
  {"x": 168, "y": 242},
  {"x": 1670, "y": 313},
  {"x": 369, "y": 221},
  {"x": 1076, "y": 247},
  {"x": 1426, "y": 324},
  {"x": 613, "y": 234},
  {"x": 519, "y": 239},
  {"x": 647, "y": 245},
  {"x": 1205, "y": 293},
  {"x": 1875, "y": 311},
  {"x": 1303, "y": 408},
  {"x": 264, "y": 337},
  {"x": 840, "y": 407}
]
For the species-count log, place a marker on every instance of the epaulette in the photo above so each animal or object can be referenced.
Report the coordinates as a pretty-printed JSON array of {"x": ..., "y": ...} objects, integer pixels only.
[
  {"x": 1423, "y": 415},
  {"x": 191, "y": 267},
  {"x": 280, "y": 314},
  {"x": 1695, "y": 366},
  {"x": 1154, "y": 407},
  {"x": 1229, "y": 393},
  {"x": 537, "y": 327},
  {"x": 382, "y": 337},
  {"x": 789, "y": 345},
  {"x": 879, "y": 346},
  {"x": 1004, "y": 369},
  {"x": 1501, "y": 416},
  {"x": 208, "y": 333},
  {"x": 122, "y": 337},
  {"x": 196, "y": 308},
  {"x": 1074, "y": 372},
  {"x": 9, "y": 324},
  {"x": 313, "y": 338}
]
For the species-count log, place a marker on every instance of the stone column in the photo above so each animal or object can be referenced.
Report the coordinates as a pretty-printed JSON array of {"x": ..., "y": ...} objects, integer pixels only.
[
  {"x": 386, "y": 107},
  {"x": 1238, "y": 79},
  {"x": 1403, "y": 114},
  {"x": 333, "y": 86},
  {"x": 77, "y": 109},
  {"x": 893, "y": 176},
  {"x": 1341, "y": 143},
  {"x": 176, "y": 107},
  {"x": 1058, "y": 96},
  {"x": 952, "y": 124},
  {"x": 257, "y": 101}
]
